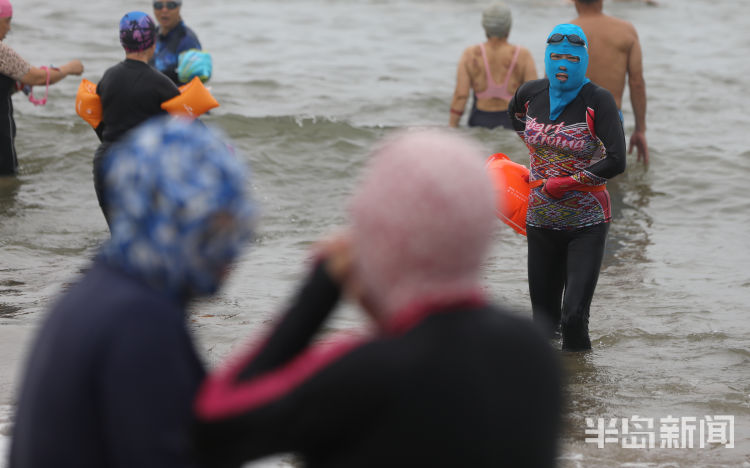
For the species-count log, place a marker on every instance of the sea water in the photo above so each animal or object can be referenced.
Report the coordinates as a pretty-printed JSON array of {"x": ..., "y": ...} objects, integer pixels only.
[{"x": 308, "y": 86}]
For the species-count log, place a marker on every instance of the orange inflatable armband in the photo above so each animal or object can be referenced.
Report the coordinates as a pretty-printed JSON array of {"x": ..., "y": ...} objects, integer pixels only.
[
  {"x": 88, "y": 103},
  {"x": 511, "y": 190},
  {"x": 194, "y": 100}
]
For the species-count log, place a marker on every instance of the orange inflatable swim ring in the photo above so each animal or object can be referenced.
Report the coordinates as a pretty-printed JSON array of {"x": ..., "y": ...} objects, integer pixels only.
[
  {"x": 194, "y": 100},
  {"x": 511, "y": 181},
  {"x": 88, "y": 103},
  {"x": 512, "y": 189}
]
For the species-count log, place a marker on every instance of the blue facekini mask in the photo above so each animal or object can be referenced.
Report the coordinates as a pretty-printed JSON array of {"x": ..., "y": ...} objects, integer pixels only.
[{"x": 561, "y": 93}]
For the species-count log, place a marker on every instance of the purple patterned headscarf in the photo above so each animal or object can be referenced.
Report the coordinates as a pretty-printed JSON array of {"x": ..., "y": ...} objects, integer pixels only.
[{"x": 137, "y": 31}]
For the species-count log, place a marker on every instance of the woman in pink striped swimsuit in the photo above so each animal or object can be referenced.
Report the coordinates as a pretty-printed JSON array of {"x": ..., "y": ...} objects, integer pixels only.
[{"x": 493, "y": 70}]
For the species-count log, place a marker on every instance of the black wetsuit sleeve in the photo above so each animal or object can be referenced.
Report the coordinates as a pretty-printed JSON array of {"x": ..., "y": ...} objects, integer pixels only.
[
  {"x": 517, "y": 111},
  {"x": 100, "y": 131},
  {"x": 275, "y": 401},
  {"x": 608, "y": 127},
  {"x": 311, "y": 306},
  {"x": 517, "y": 107},
  {"x": 165, "y": 89}
]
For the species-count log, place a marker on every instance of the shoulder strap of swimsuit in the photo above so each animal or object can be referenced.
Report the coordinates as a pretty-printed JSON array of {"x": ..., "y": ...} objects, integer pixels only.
[
  {"x": 512, "y": 66},
  {"x": 490, "y": 81}
]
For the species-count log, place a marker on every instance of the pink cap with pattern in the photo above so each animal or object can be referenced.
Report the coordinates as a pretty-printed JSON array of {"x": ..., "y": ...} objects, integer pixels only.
[
  {"x": 422, "y": 220},
  {"x": 6, "y": 9}
]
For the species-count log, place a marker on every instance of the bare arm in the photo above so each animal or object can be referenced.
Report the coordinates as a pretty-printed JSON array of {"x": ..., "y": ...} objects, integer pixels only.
[
  {"x": 637, "y": 87},
  {"x": 38, "y": 76},
  {"x": 461, "y": 93},
  {"x": 529, "y": 70}
]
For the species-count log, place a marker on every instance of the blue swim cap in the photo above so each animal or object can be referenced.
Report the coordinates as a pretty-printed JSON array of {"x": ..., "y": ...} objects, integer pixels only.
[
  {"x": 194, "y": 63},
  {"x": 179, "y": 209},
  {"x": 562, "y": 93},
  {"x": 137, "y": 31}
]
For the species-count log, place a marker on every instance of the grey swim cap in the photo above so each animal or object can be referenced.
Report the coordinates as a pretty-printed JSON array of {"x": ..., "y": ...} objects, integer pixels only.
[{"x": 496, "y": 20}]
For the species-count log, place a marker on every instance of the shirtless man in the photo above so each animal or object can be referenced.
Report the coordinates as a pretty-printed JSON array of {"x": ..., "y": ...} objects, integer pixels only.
[
  {"x": 509, "y": 66},
  {"x": 614, "y": 53}
]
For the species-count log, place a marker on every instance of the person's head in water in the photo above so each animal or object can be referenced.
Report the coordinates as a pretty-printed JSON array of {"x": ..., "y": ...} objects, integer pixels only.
[
  {"x": 566, "y": 59},
  {"x": 137, "y": 32},
  {"x": 496, "y": 20},
  {"x": 422, "y": 220},
  {"x": 167, "y": 13},
  {"x": 179, "y": 209},
  {"x": 6, "y": 15}
]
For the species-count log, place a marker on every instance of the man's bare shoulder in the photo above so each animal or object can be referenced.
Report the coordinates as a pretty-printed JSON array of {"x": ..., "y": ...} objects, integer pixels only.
[
  {"x": 599, "y": 25},
  {"x": 621, "y": 24}
]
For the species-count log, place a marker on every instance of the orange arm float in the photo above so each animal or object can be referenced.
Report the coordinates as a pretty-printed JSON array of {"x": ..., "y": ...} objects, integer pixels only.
[
  {"x": 88, "y": 103},
  {"x": 194, "y": 100}
]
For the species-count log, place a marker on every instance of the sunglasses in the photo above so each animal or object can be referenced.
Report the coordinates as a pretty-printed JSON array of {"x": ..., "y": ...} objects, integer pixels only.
[
  {"x": 574, "y": 39},
  {"x": 169, "y": 5}
]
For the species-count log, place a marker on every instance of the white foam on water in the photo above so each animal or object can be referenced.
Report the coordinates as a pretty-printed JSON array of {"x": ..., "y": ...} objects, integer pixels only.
[{"x": 5, "y": 423}]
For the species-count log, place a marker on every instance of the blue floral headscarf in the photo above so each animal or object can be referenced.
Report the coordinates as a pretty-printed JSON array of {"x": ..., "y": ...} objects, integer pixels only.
[
  {"x": 562, "y": 93},
  {"x": 179, "y": 209}
]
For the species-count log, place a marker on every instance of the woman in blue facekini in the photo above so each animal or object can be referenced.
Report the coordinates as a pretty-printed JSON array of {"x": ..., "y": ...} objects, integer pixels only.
[{"x": 576, "y": 143}]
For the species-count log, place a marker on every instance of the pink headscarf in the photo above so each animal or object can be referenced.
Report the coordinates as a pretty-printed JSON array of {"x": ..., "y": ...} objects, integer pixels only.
[
  {"x": 422, "y": 220},
  {"x": 6, "y": 9}
]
